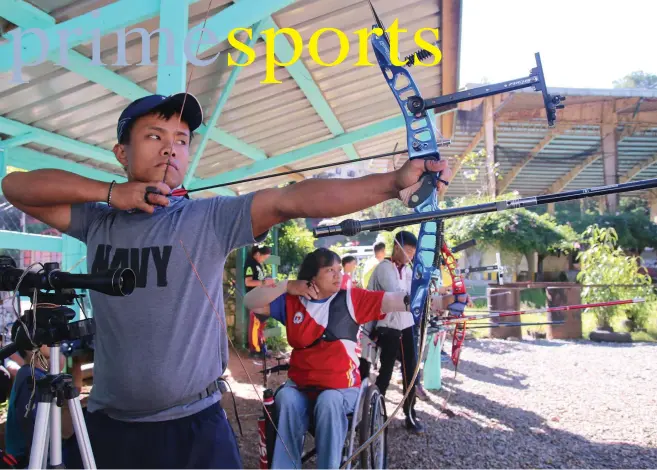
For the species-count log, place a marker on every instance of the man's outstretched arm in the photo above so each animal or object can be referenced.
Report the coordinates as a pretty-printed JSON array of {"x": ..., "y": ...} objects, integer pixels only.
[
  {"x": 48, "y": 194},
  {"x": 336, "y": 197}
]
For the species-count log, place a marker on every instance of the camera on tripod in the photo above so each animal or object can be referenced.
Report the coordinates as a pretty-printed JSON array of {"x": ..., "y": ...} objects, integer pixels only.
[
  {"x": 51, "y": 325},
  {"x": 48, "y": 322}
]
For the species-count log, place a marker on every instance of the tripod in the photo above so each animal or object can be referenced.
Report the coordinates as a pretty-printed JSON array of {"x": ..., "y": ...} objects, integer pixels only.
[
  {"x": 53, "y": 389},
  {"x": 47, "y": 323}
]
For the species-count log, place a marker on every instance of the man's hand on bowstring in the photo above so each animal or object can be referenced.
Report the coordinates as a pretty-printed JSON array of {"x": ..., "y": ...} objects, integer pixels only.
[
  {"x": 407, "y": 178},
  {"x": 305, "y": 289},
  {"x": 138, "y": 195},
  {"x": 269, "y": 282}
]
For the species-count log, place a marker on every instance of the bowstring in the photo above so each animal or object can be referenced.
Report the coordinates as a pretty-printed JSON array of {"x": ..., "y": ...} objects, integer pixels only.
[{"x": 193, "y": 266}]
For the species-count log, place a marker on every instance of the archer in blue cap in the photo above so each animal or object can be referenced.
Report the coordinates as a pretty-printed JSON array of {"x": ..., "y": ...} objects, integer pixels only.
[
  {"x": 154, "y": 135},
  {"x": 192, "y": 113}
]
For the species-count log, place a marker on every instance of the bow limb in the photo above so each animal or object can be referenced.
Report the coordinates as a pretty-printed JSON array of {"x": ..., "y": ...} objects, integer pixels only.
[
  {"x": 222, "y": 323},
  {"x": 421, "y": 197},
  {"x": 460, "y": 293}
]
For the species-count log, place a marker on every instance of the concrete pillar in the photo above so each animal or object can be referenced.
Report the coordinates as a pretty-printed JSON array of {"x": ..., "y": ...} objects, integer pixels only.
[
  {"x": 3, "y": 162},
  {"x": 241, "y": 315},
  {"x": 501, "y": 303},
  {"x": 550, "y": 208},
  {"x": 3, "y": 165},
  {"x": 559, "y": 296},
  {"x": 609, "y": 153},
  {"x": 172, "y": 61}
]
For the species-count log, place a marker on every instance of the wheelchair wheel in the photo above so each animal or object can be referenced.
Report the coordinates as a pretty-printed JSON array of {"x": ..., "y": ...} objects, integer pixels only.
[{"x": 373, "y": 417}]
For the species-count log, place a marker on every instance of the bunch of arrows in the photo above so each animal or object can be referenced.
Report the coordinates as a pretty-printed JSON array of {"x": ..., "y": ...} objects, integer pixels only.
[{"x": 453, "y": 320}]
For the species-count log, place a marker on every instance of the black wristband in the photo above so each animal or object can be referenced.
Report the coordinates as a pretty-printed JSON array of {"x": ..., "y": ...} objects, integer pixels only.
[{"x": 109, "y": 193}]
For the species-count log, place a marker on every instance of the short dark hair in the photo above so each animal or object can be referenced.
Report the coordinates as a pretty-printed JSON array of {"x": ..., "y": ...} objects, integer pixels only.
[
  {"x": 313, "y": 262},
  {"x": 405, "y": 238},
  {"x": 379, "y": 247},
  {"x": 165, "y": 111},
  {"x": 348, "y": 259},
  {"x": 263, "y": 250}
]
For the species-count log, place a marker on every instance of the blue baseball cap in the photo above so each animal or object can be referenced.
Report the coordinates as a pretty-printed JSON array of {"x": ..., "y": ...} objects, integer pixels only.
[{"x": 192, "y": 113}]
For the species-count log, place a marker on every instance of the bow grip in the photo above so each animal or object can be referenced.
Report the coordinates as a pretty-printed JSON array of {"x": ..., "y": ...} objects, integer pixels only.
[{"x": 428, "y": 184}]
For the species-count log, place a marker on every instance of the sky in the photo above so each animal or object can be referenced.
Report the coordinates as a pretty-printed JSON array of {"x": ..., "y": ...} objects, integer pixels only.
[{"x": 583, "y": 43}]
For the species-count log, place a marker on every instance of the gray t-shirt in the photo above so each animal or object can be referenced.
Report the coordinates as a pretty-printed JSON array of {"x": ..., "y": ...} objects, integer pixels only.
[
  {"x": 388, "y": 278},
  {"x": 164, "y": 342}
]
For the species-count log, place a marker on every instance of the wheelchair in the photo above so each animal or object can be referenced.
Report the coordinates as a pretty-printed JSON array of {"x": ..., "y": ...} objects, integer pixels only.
[{"x": 368, "y": 417}]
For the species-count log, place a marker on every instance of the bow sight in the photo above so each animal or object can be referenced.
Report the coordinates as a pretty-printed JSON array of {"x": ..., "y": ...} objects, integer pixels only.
[
  {"x": 418, "y": 106},
  {"x": 50, "y": 324}
]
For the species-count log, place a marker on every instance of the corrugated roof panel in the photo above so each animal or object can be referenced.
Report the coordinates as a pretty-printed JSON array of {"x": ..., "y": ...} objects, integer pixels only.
[{"x": 278, "y": 118}]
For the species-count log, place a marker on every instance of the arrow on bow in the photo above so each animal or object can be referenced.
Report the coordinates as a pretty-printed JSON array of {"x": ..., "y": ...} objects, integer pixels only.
[{"x": 491, "y": 314}]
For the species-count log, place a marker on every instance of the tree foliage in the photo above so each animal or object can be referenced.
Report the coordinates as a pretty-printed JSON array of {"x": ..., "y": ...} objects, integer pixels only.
[
  {"x": 516, "y": 231},
  {"x": 638, "y": 79},
  {"x": 606, "y": 272},
  {"x": 295, "y": 241},
  {"x": 632, "y": 224}
]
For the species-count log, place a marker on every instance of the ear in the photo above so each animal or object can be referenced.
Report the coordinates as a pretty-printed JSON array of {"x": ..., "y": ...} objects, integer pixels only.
[{"x": 121, "y": 155}]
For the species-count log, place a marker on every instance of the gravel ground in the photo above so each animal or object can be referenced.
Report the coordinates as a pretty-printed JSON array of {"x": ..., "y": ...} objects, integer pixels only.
[{"x": 538, "y": 404}]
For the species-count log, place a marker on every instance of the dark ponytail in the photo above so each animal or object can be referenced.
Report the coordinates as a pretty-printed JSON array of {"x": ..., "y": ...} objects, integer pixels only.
[{"x": 313, "y": 262}]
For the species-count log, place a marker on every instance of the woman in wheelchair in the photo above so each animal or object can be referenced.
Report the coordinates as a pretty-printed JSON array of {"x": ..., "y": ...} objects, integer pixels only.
[{"x": 322, "y": 323}]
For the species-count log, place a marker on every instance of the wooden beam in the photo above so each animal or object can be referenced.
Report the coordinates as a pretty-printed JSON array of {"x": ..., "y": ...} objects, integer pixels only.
[
  {"x": 450, "y": 19},
  {"x": 513, "y": 173},
  {"x": 460, "y": 158},
  {"x": 609, "y": 151},
  {"x": 295, "y": 176},
  {"x": 489, "y": 139},
  {"x": 638, "y": 168},
  {"x": 572, "y": 112},
  {"x": 499, "y": 101},
  {"x": 631, "y": 107},
  {"x": 582, "y": 113},
  {"x": 565, "y": 180},
  {"x": 474, "y": 142}
]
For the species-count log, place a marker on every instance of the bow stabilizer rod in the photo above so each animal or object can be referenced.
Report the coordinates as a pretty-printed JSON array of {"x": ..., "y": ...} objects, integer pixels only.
[{"x": 351, "y": 227}]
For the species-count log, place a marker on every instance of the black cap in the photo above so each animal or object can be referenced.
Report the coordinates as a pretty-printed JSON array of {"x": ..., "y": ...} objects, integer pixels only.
[{"x": 192, "y": 113}]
